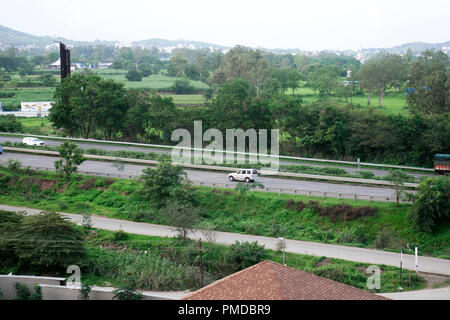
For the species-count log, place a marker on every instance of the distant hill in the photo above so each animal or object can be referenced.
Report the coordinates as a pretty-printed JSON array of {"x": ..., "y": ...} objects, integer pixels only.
[
  {"x": 31, "y": 42},
  {"x": 163, "y": 43}
]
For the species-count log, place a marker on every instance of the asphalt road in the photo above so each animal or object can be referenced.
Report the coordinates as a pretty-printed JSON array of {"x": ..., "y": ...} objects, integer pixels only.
[
  {"x": 54, "y": 143},
  {"x": 426, "y": 264},
  {"x": 205, "y": 176}
]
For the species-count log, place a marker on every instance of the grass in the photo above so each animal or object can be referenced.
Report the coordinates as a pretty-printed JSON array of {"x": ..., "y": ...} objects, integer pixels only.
[
  {"x": 393, "y": 103},
  {"x": 27, "y": 95},
  {"x": 151, "y": 82},
  {"x": 258, "y": 213},
  {"x": 351, "y": 273}
]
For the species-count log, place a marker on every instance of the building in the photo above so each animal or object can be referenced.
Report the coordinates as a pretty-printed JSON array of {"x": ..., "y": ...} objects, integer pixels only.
[
  {"x": 268, "y": 280},
  {"x": 30, "y": 110}
]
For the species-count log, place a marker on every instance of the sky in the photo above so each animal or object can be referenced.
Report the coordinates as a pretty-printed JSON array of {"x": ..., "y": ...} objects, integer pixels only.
[{"x": 306, "y": 25}]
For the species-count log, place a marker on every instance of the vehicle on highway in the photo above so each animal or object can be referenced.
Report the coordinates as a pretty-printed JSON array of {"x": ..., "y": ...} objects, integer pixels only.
[
  {"x": 442, "y": 164},
  {"x": 33, "y": 142},
  {"x": 1, "y": 149},
  {"x": 247, "y": 175}
]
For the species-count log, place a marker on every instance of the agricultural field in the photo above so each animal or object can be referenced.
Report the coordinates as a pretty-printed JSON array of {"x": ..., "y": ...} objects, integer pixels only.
[
  {"x": 25, "y": 94},
  {"x": 151, "y": 82},
  {"x": 393, "y": 103}
]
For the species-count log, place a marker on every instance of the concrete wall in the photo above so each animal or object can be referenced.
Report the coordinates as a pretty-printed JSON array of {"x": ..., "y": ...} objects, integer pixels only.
[
  {"x": 55, "y": 292},
  {"x": 7, "y": 283},
  {"x": 52, "y": 289}
]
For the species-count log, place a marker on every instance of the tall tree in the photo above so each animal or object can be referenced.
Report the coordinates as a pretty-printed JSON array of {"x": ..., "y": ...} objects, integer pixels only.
[
  {"x": 380, "y": 73},
  {"x": 429, "y": 83}
]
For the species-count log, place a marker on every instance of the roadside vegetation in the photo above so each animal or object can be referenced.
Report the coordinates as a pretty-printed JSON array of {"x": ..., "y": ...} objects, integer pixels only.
[
  {"x": 375, "y": 225},
  {"x": 109, "y": 258}
]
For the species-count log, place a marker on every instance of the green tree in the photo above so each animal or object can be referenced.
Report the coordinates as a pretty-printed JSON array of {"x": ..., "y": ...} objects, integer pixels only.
[
  {"x": 72, "y": 156},
  {"x": 182, "y": 86},
  {"x": 48, "y": 242},
  {"x": 85, "y": 102},
  {"x": 182, "y": 216},
  {"x": 134, "y": 75},
  {"x": 381, "y": 73},
  {"x": 429, "y": 79},
  {"x": 325, "y": 80},
  {"x": 165, "y": 182},
  {"x": 431, "y": 207}
]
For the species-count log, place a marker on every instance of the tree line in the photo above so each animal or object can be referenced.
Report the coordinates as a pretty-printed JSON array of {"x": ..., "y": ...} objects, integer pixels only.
[{"x": 87, "y": 105}]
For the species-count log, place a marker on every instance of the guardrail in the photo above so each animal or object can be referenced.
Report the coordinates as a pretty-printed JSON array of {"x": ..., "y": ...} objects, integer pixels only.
[
  {"x": 225, "y": 169},
  {"x": 353, "y": 163},
  {"x": 338, "y": 195}
]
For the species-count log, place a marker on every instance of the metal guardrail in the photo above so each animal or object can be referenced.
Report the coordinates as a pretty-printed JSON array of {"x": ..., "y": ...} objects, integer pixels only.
[
  {"x": 322, "y": 194},
  {"x": 368, "y": 164},
  {"x": 225, "y": 169}
]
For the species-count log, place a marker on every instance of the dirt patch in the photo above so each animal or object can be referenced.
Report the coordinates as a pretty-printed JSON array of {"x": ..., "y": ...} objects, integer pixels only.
[
  {"x": 47, "y": 185},
  {"x": 88, "y": 184},
  {"x": 323, "y": 262},
  {"x": 434, "y": 279}
]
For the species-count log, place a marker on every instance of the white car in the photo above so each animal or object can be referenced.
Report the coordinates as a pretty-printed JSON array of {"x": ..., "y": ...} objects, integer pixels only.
[
  {"x": 247, "y": 175},
  {"x": 33, "y": 142}
]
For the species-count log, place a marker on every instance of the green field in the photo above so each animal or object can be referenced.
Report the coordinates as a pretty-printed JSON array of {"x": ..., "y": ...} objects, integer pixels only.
[
  {"x": 151, "y": 82},
  {"x": 27, "y": 95},
  {"x": 393, "y": 103}
]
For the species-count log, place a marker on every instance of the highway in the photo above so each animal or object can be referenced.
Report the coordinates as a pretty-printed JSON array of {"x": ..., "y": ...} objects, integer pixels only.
[
  {"x": 110, "y": 147},
  {"x": 204, "y": 176}
]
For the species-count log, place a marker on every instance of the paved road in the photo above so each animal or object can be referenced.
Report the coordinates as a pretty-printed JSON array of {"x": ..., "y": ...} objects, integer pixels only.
[
  {"x": 54, "y": 143},
  {"x": 426, "y": 264},
  {"x": 206, "y": 176},
  {"x": 428, "y": 294}
]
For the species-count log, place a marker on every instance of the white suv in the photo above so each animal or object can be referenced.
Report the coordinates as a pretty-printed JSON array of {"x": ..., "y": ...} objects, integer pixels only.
[
  {"x": 247, "y": 175},
  {"x": 33, "y": 142}
]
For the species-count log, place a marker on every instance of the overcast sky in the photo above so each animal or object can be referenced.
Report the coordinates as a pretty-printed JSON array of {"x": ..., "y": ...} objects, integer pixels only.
[{"x": 309, "y": 25}]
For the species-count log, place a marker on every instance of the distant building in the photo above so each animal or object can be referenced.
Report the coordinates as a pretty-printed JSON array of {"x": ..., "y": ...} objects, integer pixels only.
[
  {"x": 104, "y": 65},
  {"x": 31, "y": 110}
]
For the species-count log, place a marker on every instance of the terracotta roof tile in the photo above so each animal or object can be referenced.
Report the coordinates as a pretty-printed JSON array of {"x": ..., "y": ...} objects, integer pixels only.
[{"x": 268, "y": 280}]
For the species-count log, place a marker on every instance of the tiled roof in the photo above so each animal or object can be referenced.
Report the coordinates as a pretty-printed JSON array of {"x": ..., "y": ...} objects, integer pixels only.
[{"x": 268, "y": 280}]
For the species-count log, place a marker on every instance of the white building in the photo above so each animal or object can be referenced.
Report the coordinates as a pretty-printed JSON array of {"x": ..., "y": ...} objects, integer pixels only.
[{"x": 30, "y": 110}]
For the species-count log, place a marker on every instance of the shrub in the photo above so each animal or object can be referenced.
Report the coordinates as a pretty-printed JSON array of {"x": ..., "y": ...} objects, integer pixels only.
[
  {"x": 134, "y": 75},
  {"x": 23, "y": 293},
  {"x": 386, "y": 238},
  {"x": 120, "y": 235},
  {"x": 432, "y": 204},
  {"x": 48, "y": 241},
  {"x": 244, "y": 255}
]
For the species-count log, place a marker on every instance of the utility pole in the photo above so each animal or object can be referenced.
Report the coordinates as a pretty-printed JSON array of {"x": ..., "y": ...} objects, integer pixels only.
[{"x": 201, "y": 263}]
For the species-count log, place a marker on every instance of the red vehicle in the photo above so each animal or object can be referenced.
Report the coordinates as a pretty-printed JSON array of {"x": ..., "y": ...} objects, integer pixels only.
[{"x": 442, "y": 164}]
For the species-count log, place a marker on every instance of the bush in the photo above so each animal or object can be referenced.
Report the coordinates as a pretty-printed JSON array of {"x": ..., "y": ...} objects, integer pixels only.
[
  {"x": 9, "y": 123},
  {"x": 48, "y": 242},
  {"x": 386, "y": 238},
  {"x": 244, "y": 255},
  {"x": 134, "y": 75},
  {"x": 182, "y": 87},
  {"x": 120, "y": 235},
  {"x": 432, "y": 204},
  {"x": 23, "y": 293}
]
